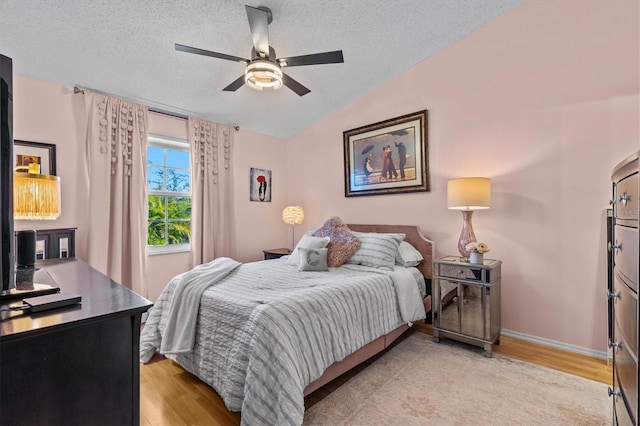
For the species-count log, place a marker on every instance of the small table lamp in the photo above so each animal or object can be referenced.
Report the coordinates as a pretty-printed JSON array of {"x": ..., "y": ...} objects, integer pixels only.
[
  {"x": 293, "y": 215},
  {"x": 468, "y": 194}
]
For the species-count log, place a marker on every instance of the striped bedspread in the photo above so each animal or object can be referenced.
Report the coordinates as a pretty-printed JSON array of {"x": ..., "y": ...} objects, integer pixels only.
[{"x": 267, "y": 330}]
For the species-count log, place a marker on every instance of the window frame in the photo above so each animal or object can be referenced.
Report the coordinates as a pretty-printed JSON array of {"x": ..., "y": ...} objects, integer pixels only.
[{"x": 176, "y": 144}]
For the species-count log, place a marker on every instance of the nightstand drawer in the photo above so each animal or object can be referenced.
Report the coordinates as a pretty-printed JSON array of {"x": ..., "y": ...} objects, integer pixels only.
[
  {"x": 460, "y": 272},
  {"x": 457, "y": 268}
]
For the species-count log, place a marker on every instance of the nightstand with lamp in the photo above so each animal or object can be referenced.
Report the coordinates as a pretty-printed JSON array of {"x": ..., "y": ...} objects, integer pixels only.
[
  {"x": 466, "y": 302},
  {"x": 291, "y": 215}
]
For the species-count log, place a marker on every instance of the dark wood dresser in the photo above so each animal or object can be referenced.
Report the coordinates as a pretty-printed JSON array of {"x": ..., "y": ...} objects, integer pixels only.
[
  {"x": 76, "y": 365},
  {"x": 624, "y": 245}
]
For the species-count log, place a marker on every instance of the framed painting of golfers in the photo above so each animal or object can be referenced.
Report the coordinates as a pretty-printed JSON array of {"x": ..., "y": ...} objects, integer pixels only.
[{"x": 387, "y": 157}]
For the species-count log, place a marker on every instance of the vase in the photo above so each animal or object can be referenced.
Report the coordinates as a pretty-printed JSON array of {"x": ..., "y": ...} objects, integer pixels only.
[
  {"x": 466, "y": 235},
  {"x": 476, "y": 257}
]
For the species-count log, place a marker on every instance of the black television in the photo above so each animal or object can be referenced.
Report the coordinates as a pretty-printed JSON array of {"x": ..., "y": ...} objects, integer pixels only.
[{"x": 6, "y": 174}]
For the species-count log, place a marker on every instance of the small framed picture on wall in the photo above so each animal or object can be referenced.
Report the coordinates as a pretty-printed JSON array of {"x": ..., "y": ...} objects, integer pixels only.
[
  {"x": 34, "y": 157},
  {"x": 260, "y": 185}
]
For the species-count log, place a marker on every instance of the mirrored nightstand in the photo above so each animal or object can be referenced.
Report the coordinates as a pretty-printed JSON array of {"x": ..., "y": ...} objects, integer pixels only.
[{"x": 466, "y": 301}]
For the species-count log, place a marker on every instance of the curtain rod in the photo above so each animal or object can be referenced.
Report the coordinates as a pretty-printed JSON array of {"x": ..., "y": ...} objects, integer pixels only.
[{"x": 81, "y": 89}]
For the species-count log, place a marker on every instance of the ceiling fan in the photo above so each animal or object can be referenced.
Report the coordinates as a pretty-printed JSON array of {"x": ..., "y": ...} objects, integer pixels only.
[{"x": 264, "y": 70}]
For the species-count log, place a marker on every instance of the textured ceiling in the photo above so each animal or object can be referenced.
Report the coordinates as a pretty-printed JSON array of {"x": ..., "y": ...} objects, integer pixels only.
[{"x": 126, "y": 48}]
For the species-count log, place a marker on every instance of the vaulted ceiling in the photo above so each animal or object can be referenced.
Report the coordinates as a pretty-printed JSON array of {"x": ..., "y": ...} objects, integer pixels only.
[{"x": 126, "y": 48}]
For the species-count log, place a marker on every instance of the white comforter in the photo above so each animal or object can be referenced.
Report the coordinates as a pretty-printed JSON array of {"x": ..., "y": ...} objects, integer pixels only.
[{"x": 267, "y": 330}]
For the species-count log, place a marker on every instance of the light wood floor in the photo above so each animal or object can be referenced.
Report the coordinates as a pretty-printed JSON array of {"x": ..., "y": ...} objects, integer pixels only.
[{"x": 171, "y": 396}]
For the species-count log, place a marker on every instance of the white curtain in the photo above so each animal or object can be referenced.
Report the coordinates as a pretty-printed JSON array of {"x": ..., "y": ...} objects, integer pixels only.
[
  {"x": 212, "y": 225},
  {"x": 116, "y": 173}
]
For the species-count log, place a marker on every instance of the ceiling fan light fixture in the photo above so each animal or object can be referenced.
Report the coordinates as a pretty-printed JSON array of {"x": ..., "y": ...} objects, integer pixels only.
[{"x": 261, "y": 74}]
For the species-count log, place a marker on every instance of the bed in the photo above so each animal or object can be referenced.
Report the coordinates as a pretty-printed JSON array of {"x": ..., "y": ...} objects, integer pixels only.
[{"x": 267, "y": 334}]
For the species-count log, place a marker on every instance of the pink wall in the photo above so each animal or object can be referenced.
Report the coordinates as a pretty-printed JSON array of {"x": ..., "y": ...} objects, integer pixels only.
[
  {"x": 259, "y": 225},
  {"x": 544, "y": 101}
]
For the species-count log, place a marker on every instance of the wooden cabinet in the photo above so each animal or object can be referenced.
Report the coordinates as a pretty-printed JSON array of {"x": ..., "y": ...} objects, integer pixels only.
[
  {"x": 466, "y": 301},
  {"x": 624, "y": 296},
  {"x": 76, "y": 365}
]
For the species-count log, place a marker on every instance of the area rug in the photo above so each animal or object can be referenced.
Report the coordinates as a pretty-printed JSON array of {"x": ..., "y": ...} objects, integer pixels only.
[{"x": 419, "y": 382}]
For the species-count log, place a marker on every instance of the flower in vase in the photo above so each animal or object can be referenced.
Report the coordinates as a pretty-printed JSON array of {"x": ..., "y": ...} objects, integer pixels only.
[{"x": 477, "y": 247}]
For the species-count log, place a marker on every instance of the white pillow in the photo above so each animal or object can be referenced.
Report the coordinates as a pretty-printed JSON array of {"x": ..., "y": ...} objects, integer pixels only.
[
  {"x": 407, "y": 255},
  {"x": 309, "y": 242},
  {"x": 313, "y": 259},
  {"x": 376, "y": 249}
]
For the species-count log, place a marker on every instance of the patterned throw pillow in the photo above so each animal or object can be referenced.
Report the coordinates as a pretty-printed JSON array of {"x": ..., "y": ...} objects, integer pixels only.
[
  {"x": 376, "y": 250},
  {"x": 343, "y": 243},
  {"x": 309, "y": 242},
  {"x": 313, "y": 259},
  {"x": 407, "y": 255}
]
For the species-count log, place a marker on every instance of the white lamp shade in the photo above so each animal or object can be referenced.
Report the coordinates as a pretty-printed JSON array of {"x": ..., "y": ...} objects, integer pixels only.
[
  {"x": 471, "y": 193},
  {"x": 293, "y": 215},
  {"x": 36, "y": 196}
]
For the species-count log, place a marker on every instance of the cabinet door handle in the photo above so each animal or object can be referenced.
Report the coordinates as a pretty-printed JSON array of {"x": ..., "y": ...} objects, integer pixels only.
[
  {"x": 614, "y": 295},
  {"x": 613, "y": 392},
  {"x": 624, "y": 198},
  {"x": 616, "y": 247},
  {"x": 615, "y": 345}
]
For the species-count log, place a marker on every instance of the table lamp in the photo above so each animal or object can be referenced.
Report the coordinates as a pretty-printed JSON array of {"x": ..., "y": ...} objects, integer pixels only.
[
  {"x": 35, "y": 197},
  {"x": 293, "y": 215},
  {"x": 468, "y": 194}
]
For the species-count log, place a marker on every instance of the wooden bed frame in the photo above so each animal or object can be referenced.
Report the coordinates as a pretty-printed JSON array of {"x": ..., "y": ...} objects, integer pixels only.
[{"x": 425, "y": 247}]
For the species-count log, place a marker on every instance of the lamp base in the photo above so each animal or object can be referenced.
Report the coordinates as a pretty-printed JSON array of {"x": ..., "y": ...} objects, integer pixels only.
[
  {"x": 466, "y": 235},
  {"x": 30, "y": 282}
]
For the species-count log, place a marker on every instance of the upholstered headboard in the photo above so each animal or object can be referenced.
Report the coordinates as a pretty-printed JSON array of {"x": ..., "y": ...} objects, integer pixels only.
[{"x": 412, "y": 236}]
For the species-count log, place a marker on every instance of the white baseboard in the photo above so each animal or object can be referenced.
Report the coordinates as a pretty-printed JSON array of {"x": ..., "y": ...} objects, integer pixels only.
[{"x": 555, "y": 344}]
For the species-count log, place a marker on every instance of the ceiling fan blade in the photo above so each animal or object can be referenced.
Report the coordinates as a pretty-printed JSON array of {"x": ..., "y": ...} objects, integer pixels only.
[
  {"x": 235, "y": 84},
  {"x": 189, "y": 49},
  {"x": 259, "y": 22},
  {"x": 294, "y": 85},
  {"x": 334, "y": 57}
]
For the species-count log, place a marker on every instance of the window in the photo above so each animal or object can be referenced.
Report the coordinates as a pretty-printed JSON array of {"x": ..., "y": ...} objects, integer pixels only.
[{"x": 169, "y": 185}]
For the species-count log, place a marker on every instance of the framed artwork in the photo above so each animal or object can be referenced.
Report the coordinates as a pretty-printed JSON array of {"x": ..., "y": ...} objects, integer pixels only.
[
  {"x": 34, "y": 157},
  {"x": 260, "y": 185},
  {"x": 387, "y": 157}
]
